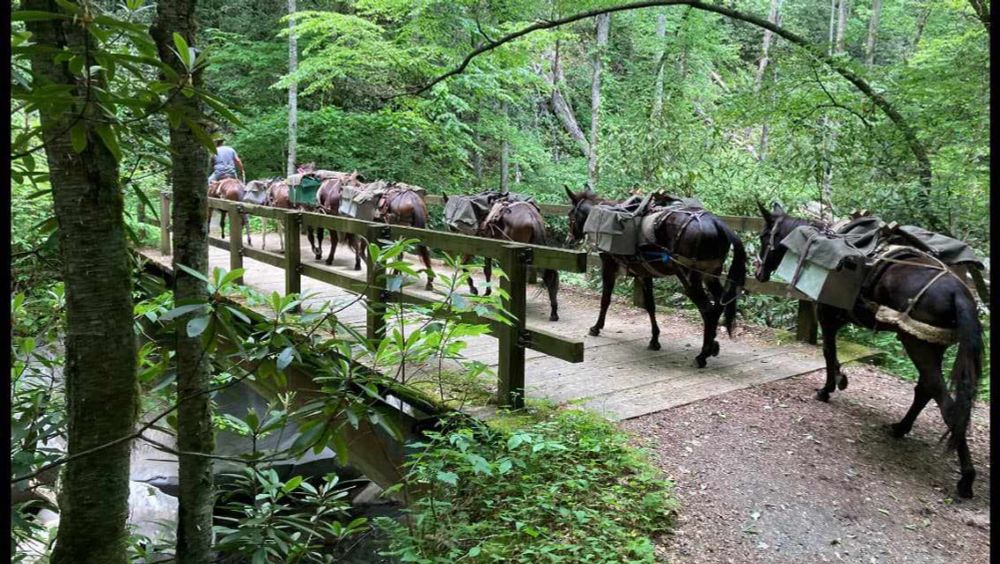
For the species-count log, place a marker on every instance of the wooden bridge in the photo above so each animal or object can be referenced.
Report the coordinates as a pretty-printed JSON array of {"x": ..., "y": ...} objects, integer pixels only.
[{"x": 613, "y": 374}]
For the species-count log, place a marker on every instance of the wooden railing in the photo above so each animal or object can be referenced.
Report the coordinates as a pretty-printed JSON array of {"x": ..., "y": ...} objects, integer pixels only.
[{"x": 513, "y": 258}]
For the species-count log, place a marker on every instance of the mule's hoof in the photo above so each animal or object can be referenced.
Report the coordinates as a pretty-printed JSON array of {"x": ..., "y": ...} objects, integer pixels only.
[
  {"x": 965, "y": 484},
  {"x": 594, "y": 332},
  {"x": 842, "y": 382},
  {"x": 715, "y": 348},
  {"x": 357, "y": 267},
  {"x": 897, "y": 431},
  {"x": 474, "y": 291},
  {"x": 488, "y": 292},
  {"x": 700, "y": 361},
  {"x": 328, "y": 261},
  {"x": 654, "y": 346},
  {"x": 554, "y": 317},
  {"x": 428, "y": 286},
  {"x": 822, "y": 395}
]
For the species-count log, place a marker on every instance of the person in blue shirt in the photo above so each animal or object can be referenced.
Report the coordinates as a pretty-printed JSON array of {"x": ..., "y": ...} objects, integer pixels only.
[{"x": 225, "y": 161}]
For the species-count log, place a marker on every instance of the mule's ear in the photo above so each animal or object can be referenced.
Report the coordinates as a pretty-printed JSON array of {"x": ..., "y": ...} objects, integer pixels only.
[
  {"x": 776, "y": 209},
  {"x": 763, "y": 212},
  {"x": 572, "y": 196}
]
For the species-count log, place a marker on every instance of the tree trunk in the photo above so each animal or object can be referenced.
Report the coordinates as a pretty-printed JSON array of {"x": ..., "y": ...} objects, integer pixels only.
[
  {"x": 761, "y": 67},
  {"x": 841, "y": 25},
  {"x": 517, "y": 173},
  {"x": 189, "y": 174},
  {"x": 921, "y": 23},
  {"x": 100, "y": 371},
  {"x": 872, "y": 32},
  {"x": 661, "y": 34},
  {"x": 505, "y": 156},
  {"x": 982, "y": 10},
  {"x": 833, "y": 27},
  {"x": 603, "y": 26},
  {"x": 293, "y": 94},
  {"x": 561, "y": 107}
]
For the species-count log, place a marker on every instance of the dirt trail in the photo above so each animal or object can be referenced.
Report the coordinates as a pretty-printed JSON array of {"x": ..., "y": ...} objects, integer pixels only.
[{"x": 769, "y": 474}]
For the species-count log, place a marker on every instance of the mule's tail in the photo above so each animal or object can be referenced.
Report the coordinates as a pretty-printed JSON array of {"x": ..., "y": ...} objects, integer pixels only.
[
  {"x": 968, "y": 367},
  {"x": 736, "y": 278}
]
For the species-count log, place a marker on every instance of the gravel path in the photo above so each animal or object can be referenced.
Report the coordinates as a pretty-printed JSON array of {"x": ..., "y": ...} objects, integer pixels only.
[{"x": 769, "y": 474}]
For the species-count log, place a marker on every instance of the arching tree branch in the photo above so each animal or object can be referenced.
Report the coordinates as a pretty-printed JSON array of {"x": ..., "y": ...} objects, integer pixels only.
[{"x": 917, "y": 148}]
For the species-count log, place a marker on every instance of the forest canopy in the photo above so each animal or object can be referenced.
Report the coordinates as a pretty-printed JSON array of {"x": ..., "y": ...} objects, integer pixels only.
[{"x": 686, "y": 98}]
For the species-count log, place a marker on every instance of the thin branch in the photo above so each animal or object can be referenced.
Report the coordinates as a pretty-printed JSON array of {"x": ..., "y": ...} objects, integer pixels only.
[{"x": 833, "y": 101}]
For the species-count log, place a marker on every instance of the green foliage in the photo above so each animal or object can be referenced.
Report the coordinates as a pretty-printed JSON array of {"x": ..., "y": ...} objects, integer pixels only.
[{"x": 565, "y": 489}]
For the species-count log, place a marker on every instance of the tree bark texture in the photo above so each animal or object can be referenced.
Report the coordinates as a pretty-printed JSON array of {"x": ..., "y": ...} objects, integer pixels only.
[
  {"x": 293, "y": 95},
  {"x": 505, "y": 155},
  {"x": 872, "y": 32},
  {"x": 100, "y": 372},
  {"x": 982, "y": 10},
  {"x": 841, "y": 25},
  {"x": 603, "y": 27},
  {"x": 661, "y": 34},
  {"x": 560, "y": 106},
  {"x": 765, "y": 48},
  {"x": 189, "y": 174}
]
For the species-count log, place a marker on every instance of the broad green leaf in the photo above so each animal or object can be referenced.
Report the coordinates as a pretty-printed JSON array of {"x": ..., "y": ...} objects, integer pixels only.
[
  {"x": 198, "y": 325},
  {"x": 78, "y": 136}
]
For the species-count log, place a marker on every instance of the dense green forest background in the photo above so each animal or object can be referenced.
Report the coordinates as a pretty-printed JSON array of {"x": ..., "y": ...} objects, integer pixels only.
[{"x": 929, "y": 58}]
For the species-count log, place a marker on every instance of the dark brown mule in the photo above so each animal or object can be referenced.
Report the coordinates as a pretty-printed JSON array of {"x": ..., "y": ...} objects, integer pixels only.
[
  {"x": 701, "y": 244},
  {"x": 328, "y": 197},
  {"x": 946, "y": 303},
  {"x": 519, "y": 222},
  {"x": 228, "y": 189},
  {"x": 402, "y": 205}
]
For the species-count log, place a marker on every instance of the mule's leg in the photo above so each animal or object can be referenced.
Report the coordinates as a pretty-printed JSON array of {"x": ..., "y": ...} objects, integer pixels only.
[
  {"x": 550, "y": 278},
  {"x": 425, "y": 257},
  {"x": 334, "y": 241},
  {"x": 357, "y": 244},
  {"x": 472, "y": 284},
  {"x": 317, "y": 252},
  {"x": 710, "y": 313},
  {"x": 222, "y": 223},
  {"x": 609, "y": 271},
  {"x": 830, "y": 323},
  {"x": 319, "y": 243},
  {"x": 246, "y": 227},
  {"x": 647, "y": 300},
  {"x": 927, "y": 358},
  {"x": 488, "y": 275}
]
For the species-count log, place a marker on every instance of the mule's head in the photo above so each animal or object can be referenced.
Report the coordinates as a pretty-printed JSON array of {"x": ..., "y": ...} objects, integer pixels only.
[
  {"x": 581, "y": 203},
  {"x": 770, "y": 252}
]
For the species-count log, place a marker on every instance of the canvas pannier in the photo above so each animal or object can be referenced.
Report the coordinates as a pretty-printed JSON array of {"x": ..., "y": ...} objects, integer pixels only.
[
  {"x": 615, "y": 229},
  {"x": 463, "y": 213},
  {"x": 361, "y": 202},
  {"x": 823, "y": 266}
]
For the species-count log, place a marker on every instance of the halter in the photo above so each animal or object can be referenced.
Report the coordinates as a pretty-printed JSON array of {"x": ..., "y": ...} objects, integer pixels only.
[{"x": 770, "y": 242}]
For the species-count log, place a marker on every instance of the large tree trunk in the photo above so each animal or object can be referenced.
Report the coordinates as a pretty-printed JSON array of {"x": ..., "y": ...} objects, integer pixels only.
[
  {"x": 661, "y": 34},
  {"x": 841, "y": 25},
  {"x": 872, "y": 32},
  {"x": 293, "y": 95},
  {"x": 560, "y": 106},
  {"x": 603, "y": 26},
  {"x": 101, "y": 389},
  {"x": 505, "y": 156},
  {"x": 982, "y": 10},
  {"x": 765, "y": 47},
  {"x": 189, "y": 179},
  {"x": 921, "y": 23}
]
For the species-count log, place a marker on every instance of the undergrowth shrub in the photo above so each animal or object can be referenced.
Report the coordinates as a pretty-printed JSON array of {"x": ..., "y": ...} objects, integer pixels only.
[{"x": 566, "y": 489}]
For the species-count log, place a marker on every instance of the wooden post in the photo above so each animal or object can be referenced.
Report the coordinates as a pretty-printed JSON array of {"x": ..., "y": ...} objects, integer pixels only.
[
  {"x": 806, "y": 329},
  {"x": 165, "y": 222},
  {"x": 637, "y": 299},
  {"x": 293, "y": 251},
  {"x": 235, "y": 241},
  {"x": 510, "y": 392},
  {"x": 375, "y": 292}
]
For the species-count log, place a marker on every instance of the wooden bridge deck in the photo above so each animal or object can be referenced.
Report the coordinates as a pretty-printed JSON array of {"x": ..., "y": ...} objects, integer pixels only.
[{"x": 619, "y": 377}]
